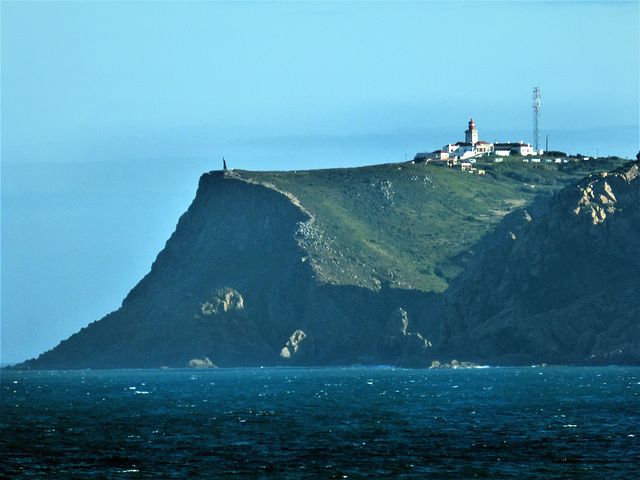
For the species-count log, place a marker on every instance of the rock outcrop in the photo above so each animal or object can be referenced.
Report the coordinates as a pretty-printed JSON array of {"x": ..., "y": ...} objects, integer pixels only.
[
  {"x": 201, "y": 363},
  {"x": 558, "y": 285},
  {"x": 294, "y": 344},
  {"x": 399, "y": 346}
]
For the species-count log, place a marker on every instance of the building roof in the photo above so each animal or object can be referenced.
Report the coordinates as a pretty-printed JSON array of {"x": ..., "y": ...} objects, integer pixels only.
[{"x": 511, "y": 145}]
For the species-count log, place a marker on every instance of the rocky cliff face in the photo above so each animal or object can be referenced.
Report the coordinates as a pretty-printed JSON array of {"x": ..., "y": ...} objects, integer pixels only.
[
  {"x": 237, "y": 284},
  {"x": 557, "y": 283},
  {"x": 234, "y": 285}
]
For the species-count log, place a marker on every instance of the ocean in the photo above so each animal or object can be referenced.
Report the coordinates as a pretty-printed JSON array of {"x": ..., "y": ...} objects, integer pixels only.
[{"x": 322, "y": 423}]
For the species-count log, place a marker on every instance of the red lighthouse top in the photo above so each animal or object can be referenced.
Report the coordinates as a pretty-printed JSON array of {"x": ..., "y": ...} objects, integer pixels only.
[{"x": 472, "y": 126}]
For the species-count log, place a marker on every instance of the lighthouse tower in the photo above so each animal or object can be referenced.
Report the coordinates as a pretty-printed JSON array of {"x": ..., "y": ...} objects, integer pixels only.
[{"x": 471, "y": 135}]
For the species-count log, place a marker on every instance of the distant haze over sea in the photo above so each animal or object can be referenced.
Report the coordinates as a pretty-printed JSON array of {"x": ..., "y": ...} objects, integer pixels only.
[
  {"x": 356, "y": 150},
  {"x": 278, "y": 151}
]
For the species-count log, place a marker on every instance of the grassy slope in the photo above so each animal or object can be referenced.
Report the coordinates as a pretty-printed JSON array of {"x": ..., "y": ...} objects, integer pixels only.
[{"x": 410, "y": 225}]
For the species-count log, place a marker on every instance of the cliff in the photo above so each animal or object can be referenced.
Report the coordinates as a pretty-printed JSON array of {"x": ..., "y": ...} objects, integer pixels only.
[
  {"x": 236, "y": 285},
  {"x": 556, "y": 283},
  {"x": 349, "y": 266}
]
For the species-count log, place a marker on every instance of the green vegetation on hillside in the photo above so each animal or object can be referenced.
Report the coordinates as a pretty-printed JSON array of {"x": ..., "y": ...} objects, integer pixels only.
[{"x": 413, "y": 226}]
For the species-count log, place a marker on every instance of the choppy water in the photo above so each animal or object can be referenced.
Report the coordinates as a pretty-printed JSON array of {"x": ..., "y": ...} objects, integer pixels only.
[{"x": 533, "y": 423}]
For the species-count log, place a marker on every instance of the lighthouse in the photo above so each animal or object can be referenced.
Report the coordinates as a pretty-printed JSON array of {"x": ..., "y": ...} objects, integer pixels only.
[{"x": 471, "y": 135}]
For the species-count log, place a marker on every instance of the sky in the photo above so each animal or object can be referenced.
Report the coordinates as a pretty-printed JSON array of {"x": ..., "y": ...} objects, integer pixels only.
[{"x": 110, "y": 112}]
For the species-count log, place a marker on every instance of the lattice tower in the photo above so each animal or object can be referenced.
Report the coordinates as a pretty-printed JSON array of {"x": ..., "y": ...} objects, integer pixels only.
[{"x": 536, "y": 118}]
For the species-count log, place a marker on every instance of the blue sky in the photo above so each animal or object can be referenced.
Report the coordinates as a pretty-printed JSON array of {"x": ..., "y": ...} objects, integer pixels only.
[{"x": 112, "y": 110}]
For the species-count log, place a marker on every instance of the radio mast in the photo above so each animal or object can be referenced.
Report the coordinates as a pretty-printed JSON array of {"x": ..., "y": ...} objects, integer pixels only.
[{"x": 536, "y": 118}]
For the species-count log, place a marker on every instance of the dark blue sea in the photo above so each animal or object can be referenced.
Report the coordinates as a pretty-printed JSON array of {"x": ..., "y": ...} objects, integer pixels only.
[{"x": 322, "y": 423}]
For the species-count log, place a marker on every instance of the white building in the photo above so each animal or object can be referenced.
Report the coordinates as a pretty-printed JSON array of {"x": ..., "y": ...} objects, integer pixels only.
[
  {"x": 526, "y": 149},
  {"x": 508, "y": 148},
  {"x": 483, "y": 147},
  {"x": 472, "y": 147},
  {"x": 426, "y": 157},
  {"x": 450, "y": 148},
  {"x": 465, "y": 150}
]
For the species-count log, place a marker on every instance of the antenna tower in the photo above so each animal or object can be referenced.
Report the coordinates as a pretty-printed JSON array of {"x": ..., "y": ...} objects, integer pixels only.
[{"x": 536, "y": 118}]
